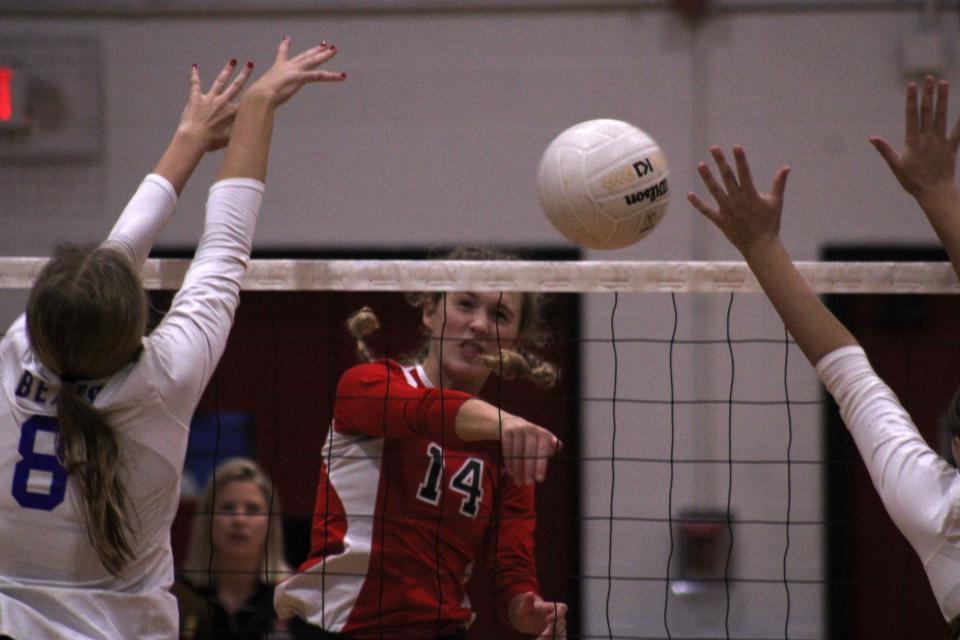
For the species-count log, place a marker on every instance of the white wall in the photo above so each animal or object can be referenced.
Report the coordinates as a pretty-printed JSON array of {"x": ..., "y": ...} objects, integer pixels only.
[{"x": 434, "y": 139}]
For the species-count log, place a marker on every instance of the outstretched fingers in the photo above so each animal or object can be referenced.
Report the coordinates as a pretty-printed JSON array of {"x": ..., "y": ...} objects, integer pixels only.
[
  {"x": 779, "y": 186},
  {"x": 926, "y": 163},
  {"x": 288, "y": 75},
  {"x": 726, "y": 173},
  {"x": 709, "y": 212},
  {"x": 241, "y": 79},
  {"x": 315, "y": 55},
  {"x": 209, "y": 115},
  {"x": 744, "y": 215},
  {"x": 743, "y": 169},
  {"x": 886, "y": 151},
  {"x": 910, "y": 108},
  {"x": 283, "y": 50},
  {"x": 711, "y": 183},
  {"x": 309, "y": 60},
  {"x": 940, "y": 114},
  {"x": 196, "y": 89},
  {"x": 926, "y": 104},
  {"x": 220, "y": 82}
]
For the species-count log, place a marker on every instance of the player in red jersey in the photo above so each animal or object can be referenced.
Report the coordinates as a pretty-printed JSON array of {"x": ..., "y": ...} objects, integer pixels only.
[{"x": 420, "y": 477}]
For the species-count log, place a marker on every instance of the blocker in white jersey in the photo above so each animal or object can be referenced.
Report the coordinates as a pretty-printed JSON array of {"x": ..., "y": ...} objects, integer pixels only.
[
  {"x": 93, "y": 416},
  {"x": 420, "y": 478},
  {"x": 919, "y": 489}
]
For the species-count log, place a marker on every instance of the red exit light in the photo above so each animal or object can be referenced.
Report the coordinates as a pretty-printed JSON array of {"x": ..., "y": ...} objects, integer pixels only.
[{"x": 6, "y": 100}]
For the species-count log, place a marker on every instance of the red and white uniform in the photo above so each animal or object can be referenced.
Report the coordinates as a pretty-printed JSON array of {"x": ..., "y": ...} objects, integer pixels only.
[
  {"x": 403, "y": 509},
  {"x": 52, "y": 584},
  {"x": 920, "y": 491}
]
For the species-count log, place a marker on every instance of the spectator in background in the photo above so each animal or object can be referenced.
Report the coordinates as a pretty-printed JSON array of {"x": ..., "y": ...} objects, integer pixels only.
[{"x": 225, "y": 588}]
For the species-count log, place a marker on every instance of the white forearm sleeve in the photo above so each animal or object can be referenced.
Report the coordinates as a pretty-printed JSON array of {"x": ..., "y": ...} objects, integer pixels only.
[
  {"x": 144, "y": 218},
  {"x": 920, "y": 491},
  {"x": 194, "y": 332}
]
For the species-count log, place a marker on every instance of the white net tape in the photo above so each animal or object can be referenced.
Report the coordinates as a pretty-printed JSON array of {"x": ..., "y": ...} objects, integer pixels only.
[{"x": 554, "y": 277}]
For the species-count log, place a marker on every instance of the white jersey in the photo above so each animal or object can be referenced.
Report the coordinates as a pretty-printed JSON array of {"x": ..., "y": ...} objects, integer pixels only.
[
  {"x": 920, "y": 491},
  {"x": 52, "y": 584}
]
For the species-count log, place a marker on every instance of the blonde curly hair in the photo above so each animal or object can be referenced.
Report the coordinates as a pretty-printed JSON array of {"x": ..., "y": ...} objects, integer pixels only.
[{"x": 509, "y": 364}]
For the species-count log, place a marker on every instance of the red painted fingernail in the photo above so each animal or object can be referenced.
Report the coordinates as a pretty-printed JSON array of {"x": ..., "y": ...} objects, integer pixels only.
[
  {"x": 332, "y": 48},
  {"x": 195, "y": 67},
  {"x": 249, "y": 64},
  {"x": 233, "y": 61},
  {"x": 323, "y": 43},
  {"x": 343, "y": 75}
]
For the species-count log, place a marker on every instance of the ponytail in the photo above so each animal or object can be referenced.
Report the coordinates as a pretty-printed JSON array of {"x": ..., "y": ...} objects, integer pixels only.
[
  {"x": 90, "y": 453},
  {"x": 361, "y": 324},
  {"x": 86, "y": 317}
]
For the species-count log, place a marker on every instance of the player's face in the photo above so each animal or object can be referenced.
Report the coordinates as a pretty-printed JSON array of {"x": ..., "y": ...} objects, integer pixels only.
[
  {"x": 471, "y": 324},
  {"x": 239, "y": 527}
]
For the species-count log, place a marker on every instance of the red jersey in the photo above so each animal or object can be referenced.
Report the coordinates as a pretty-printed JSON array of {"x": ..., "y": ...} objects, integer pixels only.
[{"x": 403, "y": 509}]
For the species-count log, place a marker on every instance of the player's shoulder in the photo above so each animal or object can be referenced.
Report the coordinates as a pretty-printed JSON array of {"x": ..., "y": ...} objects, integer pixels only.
[
  {"x": 15, "y": 341},
  {"x": 14, "y": 350},
  {"x": 374, "y": 371}
]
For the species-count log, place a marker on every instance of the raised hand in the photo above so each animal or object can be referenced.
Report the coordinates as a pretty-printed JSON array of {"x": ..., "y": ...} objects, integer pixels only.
[
  {"x": 288, "y": 75},
  {"x": 249, "y": 147},
  {"x": 206, "y": 123},
  {"x": 530, "y": 614},
  {"x": 745, "y": 216},
  {"x": 527, "y": 448},
  {"x": 208, "y": 117},
  {"x": 927, "y": 165},
  {"x": 751, "y": 222}
]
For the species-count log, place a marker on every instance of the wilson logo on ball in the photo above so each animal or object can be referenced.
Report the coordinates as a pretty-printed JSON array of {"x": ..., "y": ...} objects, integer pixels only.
[
  {"x": 603, "y": 184},
  {"x": 649, "y": 194}
]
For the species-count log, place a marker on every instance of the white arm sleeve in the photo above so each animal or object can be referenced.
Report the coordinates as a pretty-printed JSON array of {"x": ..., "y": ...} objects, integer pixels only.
[
  {"x": 191, "y": 338},
  {"x": 144, "y": 218},
  {"x": 920, "y": 491}
]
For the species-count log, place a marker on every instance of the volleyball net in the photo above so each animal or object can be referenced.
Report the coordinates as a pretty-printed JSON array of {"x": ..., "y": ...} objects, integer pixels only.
[{"x": 707, "y": 488}]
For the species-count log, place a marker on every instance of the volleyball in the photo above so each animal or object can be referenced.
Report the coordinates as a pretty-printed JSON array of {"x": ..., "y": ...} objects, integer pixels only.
[{"x": 603, "y": 184}]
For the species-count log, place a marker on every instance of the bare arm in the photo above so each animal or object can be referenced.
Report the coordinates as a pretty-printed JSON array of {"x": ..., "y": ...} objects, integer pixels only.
[
  {"x": 204, "y": 126},
  {"x": 191, "y": 338},
  {"x": 926, "y": 167},
  {"x": 751, "y": 221}
]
